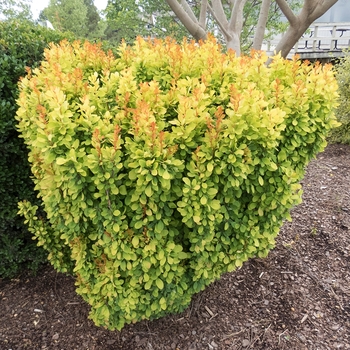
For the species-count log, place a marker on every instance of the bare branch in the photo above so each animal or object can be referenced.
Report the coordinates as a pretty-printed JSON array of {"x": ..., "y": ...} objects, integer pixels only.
[
  {"x": 236, "y": 21},
  {"x": 221, "y": 25},
  {"x": 321, "y": 8},
  {"x": 192, "y": 26},
  {"x": 188, "y": 10},
  {"x": 219, "y": 12},
  {"x": 261, "y": 26},
  {"x": 311, "y": 10},
  {"x": 203, "y": 13},
  {"x": 231, "y": 28},
  {"x": 292, "y": 19},
  {"x": 232, "y": 3},
  {"x": 309, "y": 5}
]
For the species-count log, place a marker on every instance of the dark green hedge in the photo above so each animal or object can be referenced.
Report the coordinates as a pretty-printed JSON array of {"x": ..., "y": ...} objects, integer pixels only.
[{"x": 21, "y": 44}]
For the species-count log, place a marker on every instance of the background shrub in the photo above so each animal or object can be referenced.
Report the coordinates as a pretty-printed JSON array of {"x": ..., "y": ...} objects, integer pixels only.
[
  {"x": 166, "y": 167},
  {"x": 341, "y": 134},
  {"x": 21, "y": 44}
]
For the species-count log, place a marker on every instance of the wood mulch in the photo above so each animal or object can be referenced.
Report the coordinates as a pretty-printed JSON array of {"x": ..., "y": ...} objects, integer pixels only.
[{"x": 296, "y": 298}]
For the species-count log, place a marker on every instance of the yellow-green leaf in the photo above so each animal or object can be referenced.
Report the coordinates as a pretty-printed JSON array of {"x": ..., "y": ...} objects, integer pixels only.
[
  {"x": 159, "y": 283},
  {"x": 135, "y": 242},
  {"x": 261, "y": 181}
]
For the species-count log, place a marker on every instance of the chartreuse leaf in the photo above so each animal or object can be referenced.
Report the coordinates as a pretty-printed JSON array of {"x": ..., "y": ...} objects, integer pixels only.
[
  {"x": 61, "y": 161},
  {"x": 148, "y": 284},
  {"x": 135, "y": 242},
  {"x": 261, "y": 181},
  {"x": 215, "y": 204},
  {"x": 159, "y": 283}
]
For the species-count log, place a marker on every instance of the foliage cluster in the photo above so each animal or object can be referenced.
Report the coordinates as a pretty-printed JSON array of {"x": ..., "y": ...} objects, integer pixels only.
[
  {"x": 342, "y": 133},
  {"x": 15, "y": 9},
  {"x": 21, "y": 44},
  {"x": 80, "y": 17},
  {"x": 166, "y": 167},
  {"x": 127, "y": 19}
]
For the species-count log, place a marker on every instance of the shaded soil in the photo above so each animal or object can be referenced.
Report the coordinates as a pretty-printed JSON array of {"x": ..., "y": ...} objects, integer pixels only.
[{"x": 296, "y": 298}]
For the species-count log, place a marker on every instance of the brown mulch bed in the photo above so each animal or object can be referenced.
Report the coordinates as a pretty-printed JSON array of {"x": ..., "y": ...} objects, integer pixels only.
[{"x": 296, "y": 298}]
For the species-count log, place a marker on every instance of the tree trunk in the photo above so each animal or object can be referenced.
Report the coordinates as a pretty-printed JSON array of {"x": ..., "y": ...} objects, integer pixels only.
[
  {"x": 235, "y": 26},
  {"x": 261, "y": 26},
  {"x": 234, "y": 43},
  {"x": 290, "y": 38},
  {"x": 231, "y": 28},
  {"x": 311, "y": 10}
]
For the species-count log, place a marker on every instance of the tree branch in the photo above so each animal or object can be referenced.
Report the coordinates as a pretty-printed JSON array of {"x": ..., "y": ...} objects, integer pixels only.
[
  {"x": 236, "y": 21},
  {"x": 188, "y": 10},
  {"x": 311, "y": 10},
  {"x": 203, "y": 13},
  {"x": 222, "y": 27},
  {"x": 292, "y": 19},
  {"x": 309, "y": 5},
  {"x": 192, "y": 26},
  {"x": 320, "y": 9},
  {"x": 219, "y": 12},
  {"x": 261, "y": 26}
]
